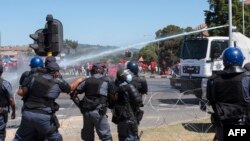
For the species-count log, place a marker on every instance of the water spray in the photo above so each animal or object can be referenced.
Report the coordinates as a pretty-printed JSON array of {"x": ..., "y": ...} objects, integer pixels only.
[{"x": 87, "y": 57}]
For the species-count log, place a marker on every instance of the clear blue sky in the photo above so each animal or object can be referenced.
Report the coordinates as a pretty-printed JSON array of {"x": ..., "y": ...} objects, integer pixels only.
[{"x": 103, "y": 22}]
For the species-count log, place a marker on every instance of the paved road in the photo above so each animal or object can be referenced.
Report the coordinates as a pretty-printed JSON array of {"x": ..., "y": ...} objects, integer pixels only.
[{"x": 162, "y": 105}]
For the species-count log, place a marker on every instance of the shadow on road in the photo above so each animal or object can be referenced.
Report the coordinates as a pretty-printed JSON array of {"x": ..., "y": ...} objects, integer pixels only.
[{"x": 199, "y": 127}]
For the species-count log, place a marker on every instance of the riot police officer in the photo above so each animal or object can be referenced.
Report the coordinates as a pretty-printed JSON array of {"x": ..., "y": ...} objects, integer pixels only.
[
  {"x": 228, "y": 92},
  {"x": 126, "y": 107},
  {"x": 6, "y": 100},
  {"x": 139, "y": 83},
  {"x": 38, "y": 114},
  {"x": 36, "y": 66},
  {"x": 94, "y": 105}
]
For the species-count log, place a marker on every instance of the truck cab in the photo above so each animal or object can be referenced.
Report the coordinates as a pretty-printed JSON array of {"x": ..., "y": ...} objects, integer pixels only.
[{"x": 201, "y": 57}]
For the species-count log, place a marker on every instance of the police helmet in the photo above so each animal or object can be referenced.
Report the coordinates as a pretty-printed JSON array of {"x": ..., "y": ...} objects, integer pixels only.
[
  {"x": 97, "y": 68},
  {"x": 49, "y": 59},
  {"x": 124, "y": 75},
  {"x": 232, "y": 57},
  {"x": 133, "y": 67},
  {"x": 36, "y": 62}
]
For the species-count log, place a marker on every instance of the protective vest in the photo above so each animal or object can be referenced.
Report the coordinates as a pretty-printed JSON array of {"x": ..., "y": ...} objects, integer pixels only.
[
  {"x": 26, "y": 76},
  {"x": 228, "y": 88},
  {"x": 92, "y": 96},
  {"x": 228, "y": 96},
  {"x": 93, "y": 86},
  {"x": 127, "y": 105},
  {"x": 38, "y": 95},
  {"x": 3, "y": 97},
  {"x": 140, "y": 84}
]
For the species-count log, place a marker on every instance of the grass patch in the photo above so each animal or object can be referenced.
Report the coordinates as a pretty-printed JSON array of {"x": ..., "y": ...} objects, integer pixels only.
[{"x": 197, "y": 130}]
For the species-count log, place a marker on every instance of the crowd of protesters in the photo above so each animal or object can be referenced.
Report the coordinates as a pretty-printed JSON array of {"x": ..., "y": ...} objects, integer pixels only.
[{"x": 144, "y": 68}]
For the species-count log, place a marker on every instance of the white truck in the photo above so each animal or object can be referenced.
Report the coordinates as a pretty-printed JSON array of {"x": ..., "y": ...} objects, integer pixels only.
[{"x": 201, "y": 57}]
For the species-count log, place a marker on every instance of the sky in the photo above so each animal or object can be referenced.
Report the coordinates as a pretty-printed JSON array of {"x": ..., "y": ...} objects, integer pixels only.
[{"x": 98, "y": 22}]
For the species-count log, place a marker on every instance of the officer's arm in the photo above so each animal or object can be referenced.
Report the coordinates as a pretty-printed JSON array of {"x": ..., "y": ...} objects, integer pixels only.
[
  {"x": 75, "y": 83},
  {"x": 10, "y": 95},
  {"x": 63, "y": 85},
  {"x": 209, "y": 92},
  {"x": 13, "y": 107},
  {"x": 23, "y": 76},
  {"x": 144, "y": 86},
  {"x": 246, "y": 85},
  {"x": 80, "y": 88},
  {"x": 25, "y": 83},
  {"x": 22, "y": 91}
]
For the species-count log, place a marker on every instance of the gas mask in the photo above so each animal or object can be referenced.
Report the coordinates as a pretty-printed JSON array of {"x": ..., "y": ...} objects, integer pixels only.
[{"x": 129, "y": 78}]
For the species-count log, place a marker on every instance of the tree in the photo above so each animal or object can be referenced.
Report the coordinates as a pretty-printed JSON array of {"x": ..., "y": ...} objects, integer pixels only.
[
  {"x": 148, "y": 53},
  {"x": 169, "y": 50},
  {"x": 165, "y": 51},
  {"x": 218, "y": 15}
]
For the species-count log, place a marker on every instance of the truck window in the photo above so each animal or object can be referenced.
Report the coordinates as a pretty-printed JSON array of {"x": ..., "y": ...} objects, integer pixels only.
[
  {"x": 217, "y": 47},
  {"x": 194, "y": 49}
]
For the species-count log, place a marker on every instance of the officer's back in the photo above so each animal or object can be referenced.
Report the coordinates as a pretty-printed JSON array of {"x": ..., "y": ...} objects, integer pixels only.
[
  {"x": 228, "y": 92},
  {"x": 38, "y": 116},
  {"x": 94, "y": 105}
]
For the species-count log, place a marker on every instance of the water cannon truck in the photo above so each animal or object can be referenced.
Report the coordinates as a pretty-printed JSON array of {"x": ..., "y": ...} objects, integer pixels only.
[{"x": 200, "y": 58}]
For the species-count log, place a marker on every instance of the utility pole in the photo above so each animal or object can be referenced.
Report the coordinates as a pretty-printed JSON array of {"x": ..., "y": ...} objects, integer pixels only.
[
  {"x": 230, "y": 23},
  {"x": 243, "y": 17}
]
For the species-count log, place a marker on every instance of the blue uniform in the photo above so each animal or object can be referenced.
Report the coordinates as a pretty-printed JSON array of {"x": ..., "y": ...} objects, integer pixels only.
[
  {"x": 39, "y": 109},
  {"x": 93, "y": 108},
  {"x": 24, "y": 81},
  {"x": 5, "y": 94}
]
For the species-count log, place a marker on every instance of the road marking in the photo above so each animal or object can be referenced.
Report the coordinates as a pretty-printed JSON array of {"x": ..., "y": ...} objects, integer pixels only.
[
  {"x": 162, "y": 105},
  {"x": 179, "y": 108},
  {"x": 61, "y": 115}
]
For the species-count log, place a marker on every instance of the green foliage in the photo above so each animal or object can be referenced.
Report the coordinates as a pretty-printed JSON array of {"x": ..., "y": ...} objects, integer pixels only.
[
  {"x": 148, "y": 53},
  {"x": 169, "y": 50},
  {"x": 218, "y": 15},
  {"x": 165, "y": 51}
]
